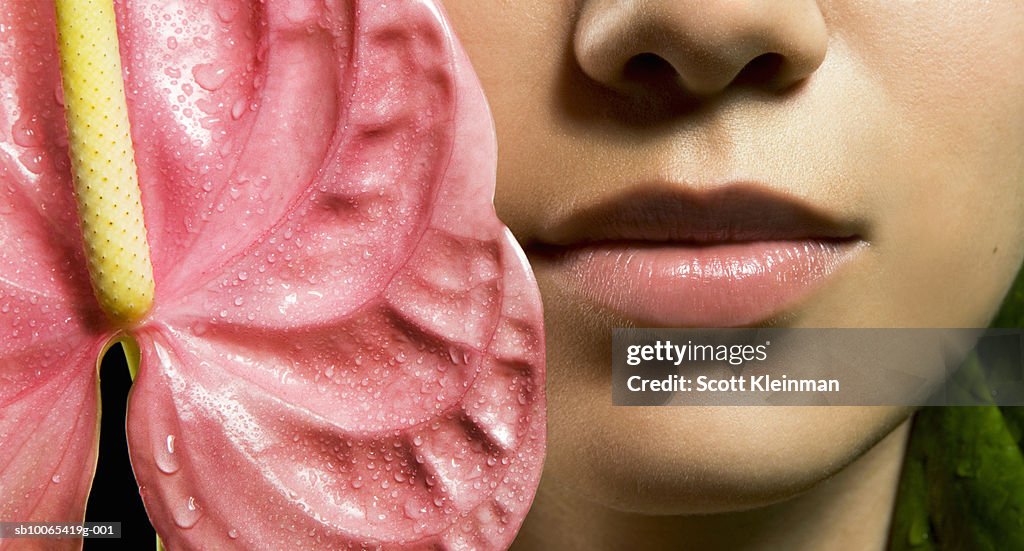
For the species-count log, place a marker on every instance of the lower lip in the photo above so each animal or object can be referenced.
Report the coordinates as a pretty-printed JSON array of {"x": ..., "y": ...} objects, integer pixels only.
[{"x": 722, "y": 285}]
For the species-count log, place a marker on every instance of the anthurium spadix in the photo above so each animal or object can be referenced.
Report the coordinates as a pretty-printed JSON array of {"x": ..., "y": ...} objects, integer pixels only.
[{"x": 339, "y": 344}]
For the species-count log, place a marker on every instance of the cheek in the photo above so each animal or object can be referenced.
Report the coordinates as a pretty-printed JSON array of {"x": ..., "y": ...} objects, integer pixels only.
[
  {"x": 950, "y": 197},
  {"x": 519, "y": 50}
]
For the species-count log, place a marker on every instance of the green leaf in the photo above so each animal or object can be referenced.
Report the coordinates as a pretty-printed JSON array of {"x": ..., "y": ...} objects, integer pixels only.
[
  {"x": 1012, "y": 312},
  {"x": 962, "y": 485}
]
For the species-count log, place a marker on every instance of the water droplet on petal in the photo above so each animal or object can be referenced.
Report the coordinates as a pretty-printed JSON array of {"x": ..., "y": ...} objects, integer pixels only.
[
  {"x": 226, "y": 12},
  {"x": 33, "y": 161},
  {"x": 239, "y": 109},
  {"x": 26, "y": 136},
  {"x": 415, "y": 508},
  {"x": 209, "y": 76},
  {"x": 188, "y": 513},
  {"x": 166, "y": 460}
]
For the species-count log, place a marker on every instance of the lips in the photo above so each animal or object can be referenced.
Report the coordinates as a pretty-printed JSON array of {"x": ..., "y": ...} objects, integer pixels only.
[{"x": 734, "y": 256}]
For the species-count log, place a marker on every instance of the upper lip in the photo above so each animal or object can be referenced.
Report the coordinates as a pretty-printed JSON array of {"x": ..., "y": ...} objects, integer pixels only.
[{"x": 733, "y": 213}]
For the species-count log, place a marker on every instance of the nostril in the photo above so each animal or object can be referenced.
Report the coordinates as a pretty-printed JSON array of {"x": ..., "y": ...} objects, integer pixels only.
[
  {"x": 648, "y": 68},
  {"x": 649, "y": 71},
  {"x": 760, "y": 71}
]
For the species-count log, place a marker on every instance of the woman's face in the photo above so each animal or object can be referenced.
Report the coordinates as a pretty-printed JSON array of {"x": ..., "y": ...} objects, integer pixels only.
[{"x": 797, "y": 163}]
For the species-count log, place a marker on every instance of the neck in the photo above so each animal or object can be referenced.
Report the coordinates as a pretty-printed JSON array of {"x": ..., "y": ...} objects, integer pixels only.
[{"x": 851, "y": 510}]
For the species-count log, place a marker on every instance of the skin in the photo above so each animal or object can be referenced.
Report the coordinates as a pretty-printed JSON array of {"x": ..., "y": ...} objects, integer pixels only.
[{"x": 901, "y": 119}]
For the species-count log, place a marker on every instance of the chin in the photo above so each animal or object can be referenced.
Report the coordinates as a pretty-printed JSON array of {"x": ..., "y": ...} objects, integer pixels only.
[{"x": 690, "y": 460}]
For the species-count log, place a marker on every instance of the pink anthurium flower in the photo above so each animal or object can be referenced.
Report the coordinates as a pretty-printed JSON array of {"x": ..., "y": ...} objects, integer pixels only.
[{"x": 345, "y": 344}]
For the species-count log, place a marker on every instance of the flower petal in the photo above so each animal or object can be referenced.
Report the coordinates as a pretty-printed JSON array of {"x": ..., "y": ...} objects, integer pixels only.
[
  {"x": 41, "y": 251},
  {"x": 50, "y": 328},
  {"x": 50, "y": 432},
  {"x": 234, "y": 107},
  {"x": 290, "y": 441},
  {"x": 369, "y": 369}
]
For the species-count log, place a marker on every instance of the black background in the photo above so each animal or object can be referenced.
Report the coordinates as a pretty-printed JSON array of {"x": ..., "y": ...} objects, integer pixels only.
[{"x": 115, "y": 494}]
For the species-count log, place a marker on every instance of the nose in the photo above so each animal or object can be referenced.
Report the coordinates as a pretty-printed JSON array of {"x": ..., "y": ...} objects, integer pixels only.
[{"x": 702, "y": 45}]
